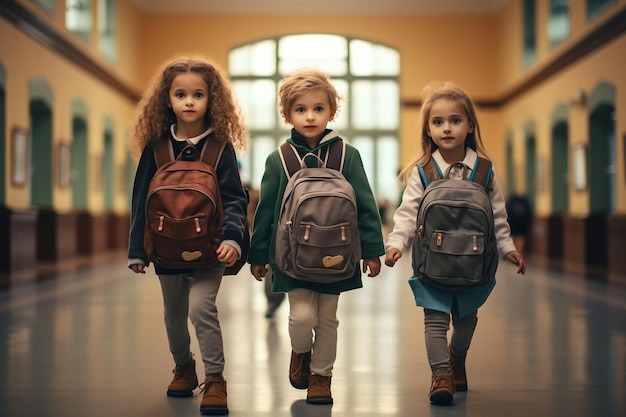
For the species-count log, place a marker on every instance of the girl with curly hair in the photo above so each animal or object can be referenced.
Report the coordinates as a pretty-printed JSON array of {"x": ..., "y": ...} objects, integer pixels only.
[{"x": 190, "y": 102}]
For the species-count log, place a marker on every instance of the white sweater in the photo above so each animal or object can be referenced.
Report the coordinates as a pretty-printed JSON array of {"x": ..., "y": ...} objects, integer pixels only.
[{"x": 405, "y": 216}]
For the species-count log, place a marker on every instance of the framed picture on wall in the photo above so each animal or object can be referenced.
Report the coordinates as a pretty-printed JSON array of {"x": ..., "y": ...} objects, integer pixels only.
[
  {"x": 64, "y": 168},
  {"x": 579, "y": 158},
  {"x": 20, "y": 156}
]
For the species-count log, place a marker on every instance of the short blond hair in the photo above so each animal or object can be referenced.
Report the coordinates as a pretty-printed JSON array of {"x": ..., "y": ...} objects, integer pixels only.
[{"x": 304, "y": 81}]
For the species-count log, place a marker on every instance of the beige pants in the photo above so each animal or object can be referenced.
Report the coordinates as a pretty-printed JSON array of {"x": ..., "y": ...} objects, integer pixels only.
[{"x": 313, "y": 327}]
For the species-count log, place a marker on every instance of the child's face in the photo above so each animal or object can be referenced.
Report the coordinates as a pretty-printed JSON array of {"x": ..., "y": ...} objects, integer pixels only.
[
  {"x": 189, "y": 99},
  {"x": 310, "y": 114},
  {"x": 448, "y": 126}
]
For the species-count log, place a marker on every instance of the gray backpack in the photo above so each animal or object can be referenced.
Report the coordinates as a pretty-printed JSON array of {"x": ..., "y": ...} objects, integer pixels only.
[
  {"x": 455, "y": 247},
  {"x": 317, "y": 236}
]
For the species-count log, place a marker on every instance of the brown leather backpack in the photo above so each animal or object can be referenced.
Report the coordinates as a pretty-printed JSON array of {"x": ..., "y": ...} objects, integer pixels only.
[{"x": 184, "y": 216}]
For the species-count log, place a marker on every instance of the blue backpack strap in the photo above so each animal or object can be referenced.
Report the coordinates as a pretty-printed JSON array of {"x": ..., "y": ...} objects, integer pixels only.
[
  {"x": 429, "y": 172},
  {"x": 423, "y": 177}
]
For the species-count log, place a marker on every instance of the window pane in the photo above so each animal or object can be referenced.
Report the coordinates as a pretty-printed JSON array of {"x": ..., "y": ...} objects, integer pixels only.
[
  {"x": 256, "y": 59},
  {"x": 243, "y": 160},
  {"x": 596, "y": 6},
  {"x": 325, "y": 52},
  {"x": 530, "y": 37},
  {"x": 375, "y": 104},
  {"x": 558, "y": 23},
  {"x": 387, "y": 185},
  {"x": 261, "y": 147},
  {"x": 107, "y": 28},
  {"x": 369, "y": 59},
  {"x": 78, "y": 17},
  {"x": 47, "y": 5},
  {"x": 365, "y": 145},
  {"x": 343, "y": 116},
  {"x": 258, "y": 102}
]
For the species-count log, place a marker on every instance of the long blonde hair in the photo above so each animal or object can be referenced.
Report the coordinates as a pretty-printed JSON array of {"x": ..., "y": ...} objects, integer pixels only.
[
  {"x": 154, "y": 117},
  {"x": 431, "y": 93}
]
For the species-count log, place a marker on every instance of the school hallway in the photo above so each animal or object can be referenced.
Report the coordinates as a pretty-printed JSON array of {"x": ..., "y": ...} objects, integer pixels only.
[{"x": 91, "y": 342}]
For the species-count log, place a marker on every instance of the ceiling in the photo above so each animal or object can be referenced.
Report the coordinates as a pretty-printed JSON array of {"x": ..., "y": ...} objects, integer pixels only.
[{"x": 322, "y": 6}]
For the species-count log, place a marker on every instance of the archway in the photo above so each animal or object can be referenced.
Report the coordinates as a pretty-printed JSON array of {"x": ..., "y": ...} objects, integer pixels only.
[{"x": 40, "y": 109}]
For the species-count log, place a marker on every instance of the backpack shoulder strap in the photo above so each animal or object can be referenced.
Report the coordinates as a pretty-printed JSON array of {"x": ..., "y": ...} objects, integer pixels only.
[
  {"x": 212, "y": 152},
  {"x": 336, "y": 155},
  {"x": 429, "y": 172},
  {"x": 290, "y": 159},
  {"x": 482, "y": 173},
  {"x": 292, "y": 162},
  {"x": 163, "y": 151}
]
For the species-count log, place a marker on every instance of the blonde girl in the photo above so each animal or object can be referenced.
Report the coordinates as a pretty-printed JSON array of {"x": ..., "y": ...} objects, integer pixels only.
[{"x": 450, "y": 133}]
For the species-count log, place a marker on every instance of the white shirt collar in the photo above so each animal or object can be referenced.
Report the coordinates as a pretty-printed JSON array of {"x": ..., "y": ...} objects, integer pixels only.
[
  {"x": 469, "y": 160},
  {"x": 193, "y": 140}
]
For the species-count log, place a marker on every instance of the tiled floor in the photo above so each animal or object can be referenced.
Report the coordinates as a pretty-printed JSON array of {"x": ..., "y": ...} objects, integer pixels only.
[{"x": 92, "y": 343}]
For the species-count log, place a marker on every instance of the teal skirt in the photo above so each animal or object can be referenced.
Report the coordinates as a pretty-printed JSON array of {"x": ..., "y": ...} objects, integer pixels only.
[{"x": 434, "y": 298}]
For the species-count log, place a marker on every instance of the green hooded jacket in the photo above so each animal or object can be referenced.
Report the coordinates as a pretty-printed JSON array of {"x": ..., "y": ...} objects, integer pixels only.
[{"x": 273, "y": 184}]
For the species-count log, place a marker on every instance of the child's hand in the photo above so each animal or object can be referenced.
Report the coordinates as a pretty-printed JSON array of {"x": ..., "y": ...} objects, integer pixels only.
[
  {"x": 259, "y": 271},
  {"x": 138, "y": 268},
  {"x": 227, "y": 254},
  {"x": 392, "y": 256},
  {"x": 516, "y": 258},
  {"x": 373, "y": 264}
]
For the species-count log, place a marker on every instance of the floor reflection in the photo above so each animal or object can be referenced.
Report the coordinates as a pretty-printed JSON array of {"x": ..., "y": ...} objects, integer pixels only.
[{"x": 92, "y": 343}]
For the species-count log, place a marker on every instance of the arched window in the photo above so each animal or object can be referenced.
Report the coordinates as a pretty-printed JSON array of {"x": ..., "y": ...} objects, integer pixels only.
[{"x": 365, "y": 74}]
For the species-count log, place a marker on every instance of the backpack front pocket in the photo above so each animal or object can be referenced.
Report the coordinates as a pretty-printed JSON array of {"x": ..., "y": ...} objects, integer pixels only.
[
  {"x": 181, "y": 240},
  {"x": 455, "y": 259},
  {"x": 325, "y": 250}
]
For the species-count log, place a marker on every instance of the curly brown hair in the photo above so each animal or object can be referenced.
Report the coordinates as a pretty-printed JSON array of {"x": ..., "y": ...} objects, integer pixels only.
[{"x": 154, "y": 117}]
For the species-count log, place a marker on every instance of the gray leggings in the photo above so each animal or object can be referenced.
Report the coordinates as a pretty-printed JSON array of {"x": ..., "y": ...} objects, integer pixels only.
[
  {"x": 436, "y": 326},
  {"x": 192, "y": 295}
]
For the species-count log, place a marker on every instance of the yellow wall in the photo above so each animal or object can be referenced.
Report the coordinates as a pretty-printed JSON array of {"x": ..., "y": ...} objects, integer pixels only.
[
  {"x": 24, "y": 58},
  {"x": 430, "y": 46},
  {"x": 482, "y": 53}
]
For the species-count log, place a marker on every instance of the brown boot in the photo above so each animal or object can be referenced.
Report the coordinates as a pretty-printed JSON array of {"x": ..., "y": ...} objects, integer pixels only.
[
  {"x": 299, "y": 370},
  {"x": 214, "y": 396},
  {"x": 458, "y": 367},
  {"x": 442, "y": 387},
  {"x": 185, "y": 380},
  {"x": 319, "y": 390}
]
